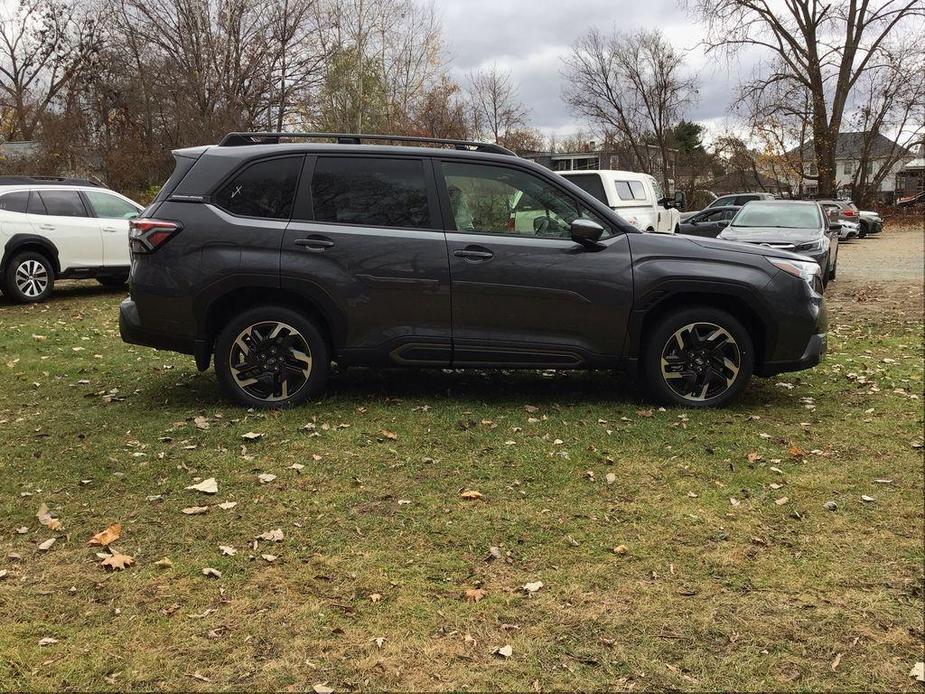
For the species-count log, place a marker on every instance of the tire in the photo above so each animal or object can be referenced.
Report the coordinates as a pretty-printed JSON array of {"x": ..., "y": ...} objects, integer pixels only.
[
  {"x": 696, "y": 325},
  {"x": 113, "y": 281},
  {"x": 292, "y": 353},
  {"x": 29, "y": 278}
]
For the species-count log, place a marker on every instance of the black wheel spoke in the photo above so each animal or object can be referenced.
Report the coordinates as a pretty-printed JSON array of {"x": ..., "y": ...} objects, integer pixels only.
[
  {"x": 270, "y": 361},
  {"x": 700, "y": 361}
]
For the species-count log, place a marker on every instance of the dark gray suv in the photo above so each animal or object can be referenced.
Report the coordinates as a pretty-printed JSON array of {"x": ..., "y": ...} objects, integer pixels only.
[{"x": 278, "y": 254}]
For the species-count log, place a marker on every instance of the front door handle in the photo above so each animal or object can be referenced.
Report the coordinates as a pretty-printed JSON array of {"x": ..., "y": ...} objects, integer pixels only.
[
  {"x": 111, "y": 229},
  {"x": 474, "y": 253},
  {"x": 47, "y": 227},
  {"x": 315, "y": 244}
]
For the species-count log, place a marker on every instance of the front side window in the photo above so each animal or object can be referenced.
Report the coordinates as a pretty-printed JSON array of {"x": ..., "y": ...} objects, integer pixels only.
[
  {"x": 61, "y": 203},
  {"x": 499, "y": 200},
  {"x": 264, "y": 189},
  {"x": 371, "y": 191},
  {"x": 108, "y": 206},
  {"x": 15, "y": 202}
]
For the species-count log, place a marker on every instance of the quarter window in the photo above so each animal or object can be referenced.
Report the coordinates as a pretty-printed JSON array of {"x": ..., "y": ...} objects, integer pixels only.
[
  {"x": 15, "y": 202},
  {"x": 499, "y": 200},
  {"x": 371, "y": 192},
  {"x": 107, "y": 206},
  {"x": 61, "y": 203},
  {"x": 264, "y": 189}
]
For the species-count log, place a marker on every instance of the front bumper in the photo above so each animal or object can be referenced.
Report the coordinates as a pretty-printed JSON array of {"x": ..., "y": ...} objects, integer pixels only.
[{"x": 815, "y": 349}]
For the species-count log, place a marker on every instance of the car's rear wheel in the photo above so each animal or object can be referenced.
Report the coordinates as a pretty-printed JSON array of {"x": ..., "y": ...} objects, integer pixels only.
[
  {"x": 29, "y": 278},
  {"x": 271, "y": 357},
  {"x": 113, "y": 281},
  {"x": 697, "y": 357}
]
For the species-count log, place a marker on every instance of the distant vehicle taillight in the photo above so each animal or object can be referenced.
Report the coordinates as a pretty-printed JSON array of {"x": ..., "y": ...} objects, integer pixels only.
[
  {"x": 147, "y": 235},
  {"x": 848, "y": 212}
]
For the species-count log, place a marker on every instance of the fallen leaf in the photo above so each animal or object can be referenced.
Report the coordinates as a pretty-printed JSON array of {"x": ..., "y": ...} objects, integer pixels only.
[
  {"x": 474, "y": 594},
  {"x": 867, "y": 499},
  {"x": 47, "y": 641},
  {"x": 195, "y": 510},
  {"x": 795, "y": 451},
  {"x": 110, "y": 534},
  {"x": 834, "y": 665},
  {"x": 471, "y": 495},
  {"x": 46, "y": 519},
  {"x": 266, "y": 477},
  {"x": 379, "y": 640},
  {"x": 45, "y": 546},
  {"x": 780, "y": 502},
  {"x": 164, "y": 563},
  {"x": 117, "y": 561},
  {"x": 209, "y": 486},
  {"x": 272, "y": 535},
  {"x": 211, "y": 573},
  {"x": 3, "y": 574},
  {"x": 322, "y": 689},
  {"x": 201, "y": 422},
  {"x": 227, "y": 550},
  {"x": 620, "y": 549},
  {"x": 531, "y": 588},
  {"x": 375, "y": 597},
  {"x": 297, "y": 467},
  {"x": 390, "y": 435},
  {"x": 268, "y": 557},
  {"x": 754, "y": 457},
  {"x": 918, "y": 672},
  {"x": 225, "y": 505},
  {"x": 531, "y": 408},
  {"x": 505, "y": 651},
  {"x": 610, "y": 478},
  {"x": 252, "y": 436}
]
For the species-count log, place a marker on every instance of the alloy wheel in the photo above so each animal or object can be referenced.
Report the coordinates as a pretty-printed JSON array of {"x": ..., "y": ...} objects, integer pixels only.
[
  {"x": 31, "y": 278},
  {"x": 270, "y": 361},
  {"x": 700, "y": 361}
]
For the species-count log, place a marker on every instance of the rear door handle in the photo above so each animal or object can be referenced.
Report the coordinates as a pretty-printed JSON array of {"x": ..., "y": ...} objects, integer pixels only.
[
  {"x": 315, "y": 244},
  {"x": 474, "y": 253},
  {"x": 110, "y": 229},
  {"x": 47, "y": 227}
]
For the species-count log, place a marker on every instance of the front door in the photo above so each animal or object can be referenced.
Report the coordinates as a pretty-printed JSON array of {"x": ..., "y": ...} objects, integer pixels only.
[
  {"x": 112, "y": 214},
  {"x": 366, "y": 243},
  {"x": 525, "y": 294}
]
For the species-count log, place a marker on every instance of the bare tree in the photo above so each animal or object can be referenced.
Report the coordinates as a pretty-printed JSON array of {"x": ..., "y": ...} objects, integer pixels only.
[
  {"x": 495, "y": 106},
  {"x": 822, "y": 47},
  {"x": 43, "y": 46},
  {"x": 633, "y": 85}
]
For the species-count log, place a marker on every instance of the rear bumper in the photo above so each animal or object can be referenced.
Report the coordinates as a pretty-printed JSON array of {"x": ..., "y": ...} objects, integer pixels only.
[{"x": 133, "y": 332}]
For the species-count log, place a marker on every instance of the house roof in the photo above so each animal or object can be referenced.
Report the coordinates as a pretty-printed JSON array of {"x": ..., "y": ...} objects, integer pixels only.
[
  {"x": 850, "y": 146},
  {"x": 915, "y": 164}
]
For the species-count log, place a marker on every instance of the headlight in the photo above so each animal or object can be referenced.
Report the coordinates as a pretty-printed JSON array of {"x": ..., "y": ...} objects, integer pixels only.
[
  {"x": 804, "y": 269},
  {"x": 814, "y": 246}
]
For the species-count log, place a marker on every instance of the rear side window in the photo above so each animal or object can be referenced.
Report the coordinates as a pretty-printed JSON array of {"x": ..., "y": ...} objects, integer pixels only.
[
  {"x": 742, "y": 199},
  {"x": 62, "y": 203},
  {"x": 108, "y": 206},
  {"x": 264, "y": 189},
  {"x": 591, "y": 183},
  {"x": 15, "y": 202},
  {"x": 639, "y": 192},
  {"x": 371, "y": 192}
]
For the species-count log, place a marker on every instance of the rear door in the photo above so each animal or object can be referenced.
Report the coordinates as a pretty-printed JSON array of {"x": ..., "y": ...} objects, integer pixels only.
[
  {"x": 525, "y": 294},
  {"x": 366, "y": 243},
  {"x": 112, "y": 213},
  {"x": 61, "y": 216}
]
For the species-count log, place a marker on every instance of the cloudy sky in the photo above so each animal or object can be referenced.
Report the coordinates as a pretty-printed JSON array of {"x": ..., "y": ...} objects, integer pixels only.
[{"x": 530, "y": 37}]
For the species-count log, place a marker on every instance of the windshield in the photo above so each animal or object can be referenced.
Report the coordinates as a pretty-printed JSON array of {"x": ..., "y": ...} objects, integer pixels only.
[{"x": 783, "y": 216}]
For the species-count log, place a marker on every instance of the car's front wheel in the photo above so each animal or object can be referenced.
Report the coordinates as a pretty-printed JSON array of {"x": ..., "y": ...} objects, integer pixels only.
[
  {"x": 271, "y": 357},
  {"x": 698, "y": 357},
  {"x": 29, "y": 278}
]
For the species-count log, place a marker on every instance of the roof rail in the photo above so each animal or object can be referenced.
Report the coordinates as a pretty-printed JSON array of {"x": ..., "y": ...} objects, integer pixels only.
[
  {"x": 47, "y": 180},
  {"x": 274, "y": 138}
]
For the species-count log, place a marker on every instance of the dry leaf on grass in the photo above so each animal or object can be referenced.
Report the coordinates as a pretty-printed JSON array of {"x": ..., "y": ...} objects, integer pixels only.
[
  {"x": 45, "y": 518},
  {"x": 531, "y": 588},
  {"x": 164, "y": 563},
  {"x": 269, "y": 558},
  {"x": 471, "y": 495},
  {"x": 252, "y": 436},
  {"x": 211, "y": 573},
  {"x": 201, "y": 422},
  {"x": 867, "y": 499},
  {"x": 47, "y": 641},
  {"x": 322, "y": 689},
  {"x": 375, "y": 597},
  {"x": 918, "y": 672},
  {"x": 783, "y": 500},
  {"x": 227, "y": 550},
  {"x": 272, "y": 535},
  {"x": 110, "y": 534},
  {"x": 209, "y": 486},
  {"x": 620, "y": 549},
  {"x": 390, "y": 435},
  {"x": 195, "y": 510},
  {"x": 474, "y": 594},
  {"x": 505, "y": 651},
  {"x": 266, "y": 477},
  {"x": 225, "y": 505},
  {"x": 117, "y": 561},
  {"x": 45, "y": 546}
]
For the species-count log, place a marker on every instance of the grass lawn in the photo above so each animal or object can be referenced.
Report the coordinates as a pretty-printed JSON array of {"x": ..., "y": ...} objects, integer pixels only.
[{"x": 731, "y": 574}]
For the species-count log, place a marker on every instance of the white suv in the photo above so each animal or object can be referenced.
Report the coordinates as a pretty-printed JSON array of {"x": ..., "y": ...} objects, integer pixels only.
[{"x": 61, "y": 229}]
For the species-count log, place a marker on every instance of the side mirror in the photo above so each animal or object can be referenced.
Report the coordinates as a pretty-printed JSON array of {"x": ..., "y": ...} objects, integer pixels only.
[
  {"x": 680, "y": 199},
  {"x": 723, "y": 223},
  {"x": 835, "y": 226},
  {"x": 586, "y": 232}
]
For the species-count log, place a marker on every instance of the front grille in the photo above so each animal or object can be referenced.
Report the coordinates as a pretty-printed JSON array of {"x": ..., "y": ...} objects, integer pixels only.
[{"x": 777, "y": 246}]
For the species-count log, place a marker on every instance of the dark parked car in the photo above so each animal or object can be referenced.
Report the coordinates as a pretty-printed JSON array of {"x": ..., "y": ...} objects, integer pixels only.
[
  {"x": 277, "y": 256},
  {"x": 799, "y": 226},
  {"x": 708, "y": 222},
  {"x": 731, "y": 200}
]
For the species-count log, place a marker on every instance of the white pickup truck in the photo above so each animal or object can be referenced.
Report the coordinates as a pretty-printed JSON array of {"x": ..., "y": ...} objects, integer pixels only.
[{"x": 636, "y": 197}]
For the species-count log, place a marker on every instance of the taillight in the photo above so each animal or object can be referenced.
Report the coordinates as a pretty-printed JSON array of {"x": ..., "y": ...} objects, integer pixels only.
[
  {"x": 848, "y": 212},
  {"x": 147, "y": 235}
]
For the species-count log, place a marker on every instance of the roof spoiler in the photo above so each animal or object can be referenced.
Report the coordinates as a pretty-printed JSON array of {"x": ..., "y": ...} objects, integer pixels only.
[{"x": 274, "y": 138}]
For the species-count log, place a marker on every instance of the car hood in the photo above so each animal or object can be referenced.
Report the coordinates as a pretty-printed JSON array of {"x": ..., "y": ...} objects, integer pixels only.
[
  {"x": 770, "y": 235},
  {"x": 754, "y": 249}
]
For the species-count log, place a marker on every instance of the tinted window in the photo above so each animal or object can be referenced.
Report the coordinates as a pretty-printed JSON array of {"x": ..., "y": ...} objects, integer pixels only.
[
  {"x": 720, "y": 202},
  {"x": 742, "y": 199},
  {"x": 108, "y": 206},
  {"x": 591, "y": 183},
  {"x": 499, "y": 200},
  {"x": 36, "y": 206},
  {"x": 371, "y": 192},
  {"x": 15, "y": 202},
  {"x": 62, "y": 203},
  {"x": 774, "y": 214},
  {"x": 264, "y": 189}
]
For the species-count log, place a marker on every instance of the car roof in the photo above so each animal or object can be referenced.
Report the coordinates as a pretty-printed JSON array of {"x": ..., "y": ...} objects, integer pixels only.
[{"x": 240, "y": 152}]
